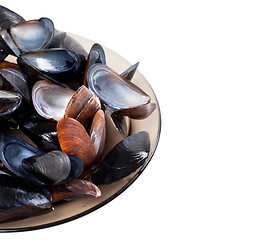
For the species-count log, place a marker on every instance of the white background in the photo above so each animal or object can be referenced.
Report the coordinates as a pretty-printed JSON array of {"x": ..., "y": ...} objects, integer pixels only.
[{"x": 212, "y": 67}]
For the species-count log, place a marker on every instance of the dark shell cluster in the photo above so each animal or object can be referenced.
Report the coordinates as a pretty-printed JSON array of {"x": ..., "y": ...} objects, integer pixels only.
[{"x": 57, "y": 97}]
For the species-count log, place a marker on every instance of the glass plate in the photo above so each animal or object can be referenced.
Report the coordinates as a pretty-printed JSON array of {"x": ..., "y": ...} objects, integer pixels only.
[{"x": 67, "y": 211}]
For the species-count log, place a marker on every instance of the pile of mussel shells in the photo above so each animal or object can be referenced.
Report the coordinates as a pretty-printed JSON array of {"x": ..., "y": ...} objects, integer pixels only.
[{"x": 58, "y": 97}]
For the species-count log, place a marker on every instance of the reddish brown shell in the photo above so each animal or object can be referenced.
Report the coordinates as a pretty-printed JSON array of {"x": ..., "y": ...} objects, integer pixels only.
[
  {"x": 73, "y": 139},
  {"x": 76, "y": 188},
  {"x": 83, "y": 104},
  {"x": 98, "y": 134},
  {"x": 140, "y": 112},
  {"x": 6, "y": 64}
]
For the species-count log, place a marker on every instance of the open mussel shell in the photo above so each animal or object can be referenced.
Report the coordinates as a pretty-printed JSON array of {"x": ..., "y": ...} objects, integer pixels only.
[
  {"x": 7, "y": 44},
  {"x": 32, "y": 35},
  {"x": 77, "y": 188},
  {"x": 19, "y": 199},
  {"x": 74, "y": 140},
  {"x": 9, "y": 102},
  {"x": 116, "y": 92},
  {"x": 123, "y": 159},
  {"x": 16, "y": 79},
  {"x": 8, "y": 17},
  {"x": 35, "y": 166},
  {"x": 83, "y": 104},
  {"x": 50, "y": 100},
  {"x": 57, "y": 65}
]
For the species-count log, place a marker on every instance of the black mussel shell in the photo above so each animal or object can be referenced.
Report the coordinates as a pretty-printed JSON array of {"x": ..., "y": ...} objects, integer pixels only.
[
  {"x": 7, "y": 44},
  {"x": 58, "y": 39},
  {"x": 120, "y": 122},
  {"x": 9, "y": 102},
  {"x": 56, "y": 65},
  {"x": 129, "y": 73},
  {"x": 3, "y": 53},
  {"x": 32, "y": 35},
  {"x": 13, "y": 150},
  {"x": 19, "y": 200},
  {"x": 17, "y": 80},
  {"x": 123, "y": 159},
  {"x": 8, "y": 17},
  {"x": 50, "y": 168},
  {"x": 15, "y": 153},
  {"x": 64, "y": 41},
  {"x": 73, "y": 45},
  {"x": 116, "y": 92},
  {"x": 41, "y": 131},
  {"x": 96, "y": 55}
]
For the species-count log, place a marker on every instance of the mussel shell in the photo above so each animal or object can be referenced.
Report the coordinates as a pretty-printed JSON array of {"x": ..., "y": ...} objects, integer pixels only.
[
  {"x": 116, "y": 92},
  {"x": 13, "y": 151},
  {"x": 32, "y": 35},
  {"x": 77, "y": 188},
  {"x": 74, "y": 140},
  {"x": 83, "y": 104},
  {"x": 19, "y": 199},
  {"x": 8, "y": 17},
  {"x": 96, "y": 55},
  {"x": 50, "y": 168},
  {"x": 56, "y": 65},
  {"x": 123, "y": 159},
  {"x": 140, "y": 112},
  {"x": 41, "y": 131},
  {"x": 6, "y": 64},
  {"x": 50, "y": 100},
  {"x": 122, "y": 123},
  {"x": 18, "y": 81},
  {"x": 7, "y": 44},
  {"x": 57, "y": 39},
  {"x": 129, "y": 73},
  {"x": 9, "y": 102},
  {"x": 73, "y": 45},
  {"x": 98, "y": 132},
  {"x": 3, "y": 54}
]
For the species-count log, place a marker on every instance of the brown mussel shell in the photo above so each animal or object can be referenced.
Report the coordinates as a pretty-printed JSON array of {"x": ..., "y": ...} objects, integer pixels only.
[
  {"x": 74, "y": 140},
  {"x": 83, "y": 104},
  {"x": 140, "y": 112},
  {"x": 77, "y": 188}
]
